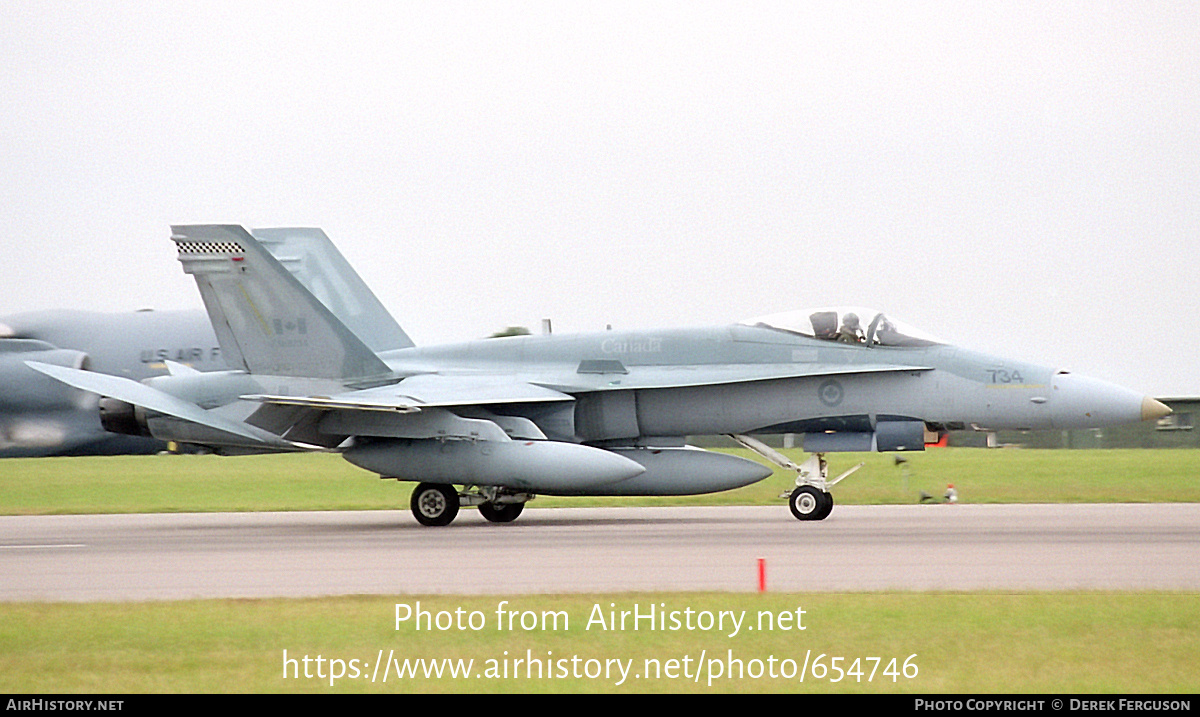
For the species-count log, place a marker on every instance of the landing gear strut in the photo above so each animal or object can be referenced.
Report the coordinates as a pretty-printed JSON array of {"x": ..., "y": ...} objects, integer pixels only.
[{"x": 810, "y": 500}]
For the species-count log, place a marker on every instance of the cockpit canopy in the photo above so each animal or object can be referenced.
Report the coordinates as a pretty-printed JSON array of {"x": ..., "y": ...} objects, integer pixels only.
[{"x": 847, "y": 324}]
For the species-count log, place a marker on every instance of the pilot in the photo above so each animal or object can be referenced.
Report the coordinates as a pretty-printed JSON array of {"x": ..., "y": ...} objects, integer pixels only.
[
  {"x": 851, "y": 332},
  {"x": 887, "y": 334}
]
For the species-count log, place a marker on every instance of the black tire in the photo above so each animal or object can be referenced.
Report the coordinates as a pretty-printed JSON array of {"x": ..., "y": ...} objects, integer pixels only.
[
  {"x": 501, "y": 512},
  {"x": 826, "y": 507},
  {"x": 809, "y": 503},
  {"x": 434, "y": 504}
]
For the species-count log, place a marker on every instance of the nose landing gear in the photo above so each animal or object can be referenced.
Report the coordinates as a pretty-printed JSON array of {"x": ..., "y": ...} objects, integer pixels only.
[
  {"x": 809, "y": 503},
  {"x": 811, "y": 499}
]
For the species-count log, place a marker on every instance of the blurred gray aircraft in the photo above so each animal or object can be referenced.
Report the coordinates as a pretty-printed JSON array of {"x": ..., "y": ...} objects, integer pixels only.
[
  {"x": 42, "y": 417},
  {"x": 592, "y": 414}
]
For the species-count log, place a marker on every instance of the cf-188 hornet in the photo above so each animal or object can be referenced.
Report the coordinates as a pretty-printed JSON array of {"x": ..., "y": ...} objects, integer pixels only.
[{"x": 589, "y": 414}]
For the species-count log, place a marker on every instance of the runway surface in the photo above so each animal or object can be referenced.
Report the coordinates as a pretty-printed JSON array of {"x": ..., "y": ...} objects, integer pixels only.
[{"x": 859, "y": 548}]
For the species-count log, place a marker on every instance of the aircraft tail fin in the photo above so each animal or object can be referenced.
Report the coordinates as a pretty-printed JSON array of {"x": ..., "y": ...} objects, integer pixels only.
[
  {"x": 264, "y": 318},
  {"x": 313, "y": 259}
]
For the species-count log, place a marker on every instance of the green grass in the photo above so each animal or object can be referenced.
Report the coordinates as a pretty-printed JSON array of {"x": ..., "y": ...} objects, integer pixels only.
[
  {"x": 964, "y": 643},
  {"x": 139, "y": 484}
]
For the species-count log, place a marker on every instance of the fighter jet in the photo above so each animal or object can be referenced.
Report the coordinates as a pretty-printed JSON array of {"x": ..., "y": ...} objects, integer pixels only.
[
  {"x": 591, "y": 414},
  {"x": 41, "y": 417}
]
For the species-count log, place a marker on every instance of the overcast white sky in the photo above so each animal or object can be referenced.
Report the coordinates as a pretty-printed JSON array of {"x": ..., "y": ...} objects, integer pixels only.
[{"x": 1022, "y": 178}]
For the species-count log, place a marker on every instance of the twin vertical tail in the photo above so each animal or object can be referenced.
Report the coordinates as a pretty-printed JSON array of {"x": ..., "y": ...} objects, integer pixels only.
[
  {"x": 308, "y": 255},
  {"x": 266, "y": 321}
]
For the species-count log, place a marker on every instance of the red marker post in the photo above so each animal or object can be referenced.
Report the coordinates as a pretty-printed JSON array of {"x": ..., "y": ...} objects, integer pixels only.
[{"x": 762, "y": 575}]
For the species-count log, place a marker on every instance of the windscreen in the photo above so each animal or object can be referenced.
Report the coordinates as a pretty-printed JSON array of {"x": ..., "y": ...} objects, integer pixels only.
[{"x": 847, "y": 325}]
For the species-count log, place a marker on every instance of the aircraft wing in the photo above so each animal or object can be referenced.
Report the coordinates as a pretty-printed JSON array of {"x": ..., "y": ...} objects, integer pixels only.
[
  {"x": 426, "y": 391},
  {"x": 416, "y": 407}
]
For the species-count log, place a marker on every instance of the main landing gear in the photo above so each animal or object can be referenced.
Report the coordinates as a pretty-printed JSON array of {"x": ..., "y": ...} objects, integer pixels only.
[
  {"x": 811, "y": 499},
  {"x": 502, "y": 512},
  {"x": 434, "y": 504},
  {"x": 437, "y": 504}
]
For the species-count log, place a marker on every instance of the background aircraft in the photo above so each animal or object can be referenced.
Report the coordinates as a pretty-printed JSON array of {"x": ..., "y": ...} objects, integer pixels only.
[
  {"x": 43, "y": 417},
  {"x": 591, "y": 414}
]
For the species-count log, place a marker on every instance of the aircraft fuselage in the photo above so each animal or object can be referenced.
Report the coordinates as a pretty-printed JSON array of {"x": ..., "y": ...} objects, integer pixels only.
[{"x": 746, "y": 379}]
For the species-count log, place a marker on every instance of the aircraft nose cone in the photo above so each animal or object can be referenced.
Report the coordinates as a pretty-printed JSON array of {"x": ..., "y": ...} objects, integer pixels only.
[
  {"x": 1153, "y": 410},
  {"x": 1084, "y": 402}
]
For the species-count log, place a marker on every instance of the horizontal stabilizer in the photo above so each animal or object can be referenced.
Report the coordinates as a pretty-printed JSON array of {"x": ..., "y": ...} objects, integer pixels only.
[{"x": 124, "y": 389}]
